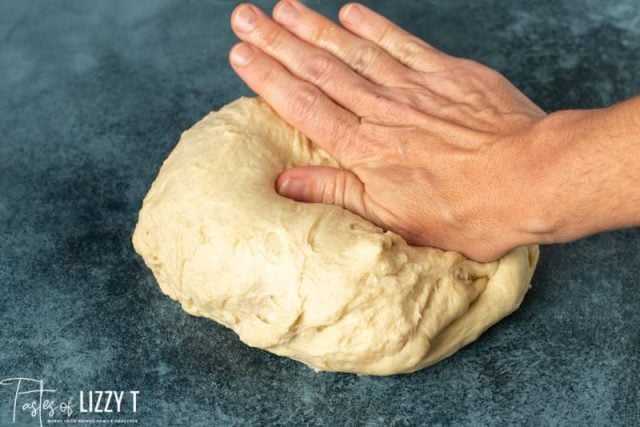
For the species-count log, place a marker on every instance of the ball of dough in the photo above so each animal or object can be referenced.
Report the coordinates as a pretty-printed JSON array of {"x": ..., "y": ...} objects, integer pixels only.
[{"x": 312, "y": 282}]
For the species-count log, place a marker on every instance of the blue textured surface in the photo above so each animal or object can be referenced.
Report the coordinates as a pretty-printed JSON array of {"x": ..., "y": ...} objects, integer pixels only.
[{"x": 94, "y": 95}]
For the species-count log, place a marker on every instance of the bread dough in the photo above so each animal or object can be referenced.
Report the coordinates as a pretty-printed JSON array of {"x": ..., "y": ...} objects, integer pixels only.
[{"x": 312, "y": 282}]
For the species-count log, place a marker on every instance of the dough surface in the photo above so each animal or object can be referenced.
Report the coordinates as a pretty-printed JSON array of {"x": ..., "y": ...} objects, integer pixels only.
[{"x": 312, "y": 282}]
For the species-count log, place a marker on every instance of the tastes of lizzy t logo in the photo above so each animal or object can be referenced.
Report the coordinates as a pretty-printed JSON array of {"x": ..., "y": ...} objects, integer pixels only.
[{"x": 31, "y": 400}]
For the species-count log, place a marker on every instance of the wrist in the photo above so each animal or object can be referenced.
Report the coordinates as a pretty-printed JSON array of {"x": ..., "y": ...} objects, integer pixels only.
[
  {"x": 582, "y": 173},
  {"x": 553, "y": 209}
]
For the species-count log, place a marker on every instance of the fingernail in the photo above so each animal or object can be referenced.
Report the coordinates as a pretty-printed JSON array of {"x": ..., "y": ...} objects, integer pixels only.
[
  {"x": 241, "y": 54},
  {"x": 293, "y": 188},
  {"x": 286, "y": 13},
  {"x": 353, "y": 14},
  {"x": 246, "y": 19}
]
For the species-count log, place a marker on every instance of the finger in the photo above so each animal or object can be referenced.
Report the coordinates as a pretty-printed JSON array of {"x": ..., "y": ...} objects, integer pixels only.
[
  {"x": 401, "y": 45},
  {"x": 365, "y": 57},
  {"x": 321, "y": 184},
  {"x": 310, "y": 63},
  {"x": 300, "y": 103}
]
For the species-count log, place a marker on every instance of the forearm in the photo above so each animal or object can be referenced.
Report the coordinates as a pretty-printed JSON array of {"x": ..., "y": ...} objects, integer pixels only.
[{"x": 587, "y": 176}]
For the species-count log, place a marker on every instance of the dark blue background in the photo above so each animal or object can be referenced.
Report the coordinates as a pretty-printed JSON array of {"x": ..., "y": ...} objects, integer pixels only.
[{"x": 94, "y": 95}]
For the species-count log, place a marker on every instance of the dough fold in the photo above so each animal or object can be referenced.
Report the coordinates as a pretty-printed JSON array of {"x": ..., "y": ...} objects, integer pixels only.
[{"x": 312, "y": 282}]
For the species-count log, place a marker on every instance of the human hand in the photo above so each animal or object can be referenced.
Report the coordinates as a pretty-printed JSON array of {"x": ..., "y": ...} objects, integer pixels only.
[{"x": 431, "y": 146}]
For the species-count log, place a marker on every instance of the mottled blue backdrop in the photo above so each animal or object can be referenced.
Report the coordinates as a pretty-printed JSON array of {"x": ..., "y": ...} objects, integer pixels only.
[{"x": 94, "y": 95}]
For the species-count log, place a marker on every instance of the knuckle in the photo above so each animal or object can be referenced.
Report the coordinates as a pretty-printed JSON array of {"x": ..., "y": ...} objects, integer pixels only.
[
  {"x": 385, "y": 34},
  {"x": 363, "y": 57},
  {"x": 479, "y": 71},
  {"x": 320, "y": 33},
  {"x": 339, "y": 187},
  {"x": 317, "y": 69},
  {"x": 270, "y": 39},
  {"x": 324, "y": 192},
  {"x": 409, "y": 51},
  {"x": 327, "y": 191},
  {"x": 304, "y": 100},
  {"x": 265, "y": 76}
]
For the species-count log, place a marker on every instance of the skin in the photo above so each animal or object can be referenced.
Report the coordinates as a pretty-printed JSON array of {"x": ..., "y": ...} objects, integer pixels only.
[{"x": 442, "y": 150}]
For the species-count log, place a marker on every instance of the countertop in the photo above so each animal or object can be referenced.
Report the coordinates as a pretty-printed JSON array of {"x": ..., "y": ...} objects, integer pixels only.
[{"x": 94, "y": 95}]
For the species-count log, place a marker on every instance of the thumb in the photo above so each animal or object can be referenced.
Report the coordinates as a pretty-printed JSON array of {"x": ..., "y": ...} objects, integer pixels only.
[{"x": 321, "y": 184}]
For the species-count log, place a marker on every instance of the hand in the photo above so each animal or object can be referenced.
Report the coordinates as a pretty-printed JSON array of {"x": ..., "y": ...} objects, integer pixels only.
[{"x": 431, "y": 146}]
